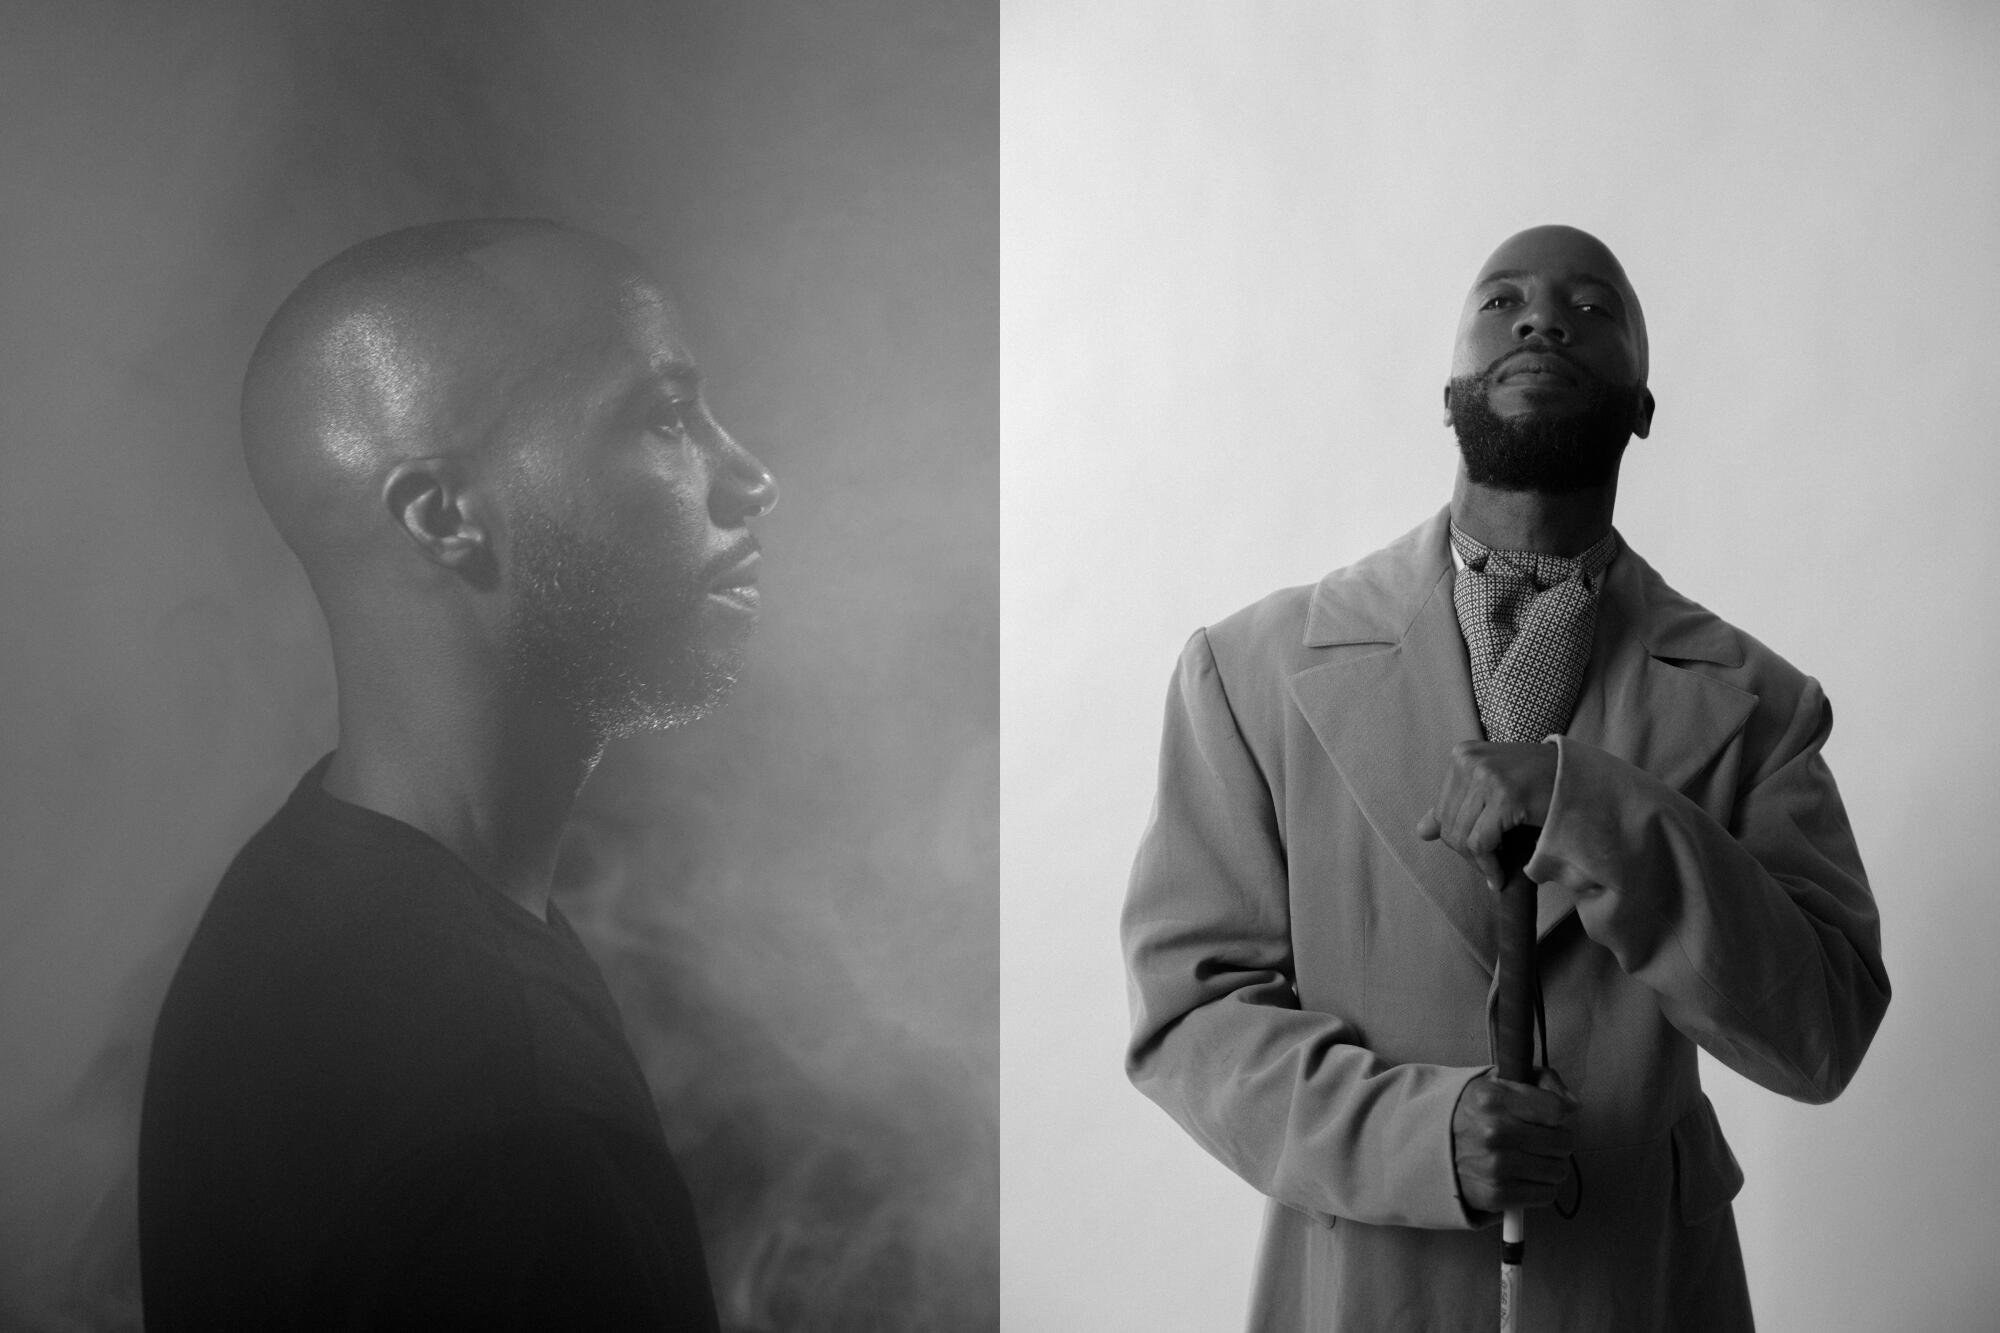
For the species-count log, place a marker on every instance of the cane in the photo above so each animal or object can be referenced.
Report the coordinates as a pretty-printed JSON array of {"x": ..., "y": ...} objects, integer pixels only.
[{"x": 1514, "y": 1031}]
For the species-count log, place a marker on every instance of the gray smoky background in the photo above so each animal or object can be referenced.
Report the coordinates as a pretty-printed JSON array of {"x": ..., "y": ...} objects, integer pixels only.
[{"x": 793, "y": 901}]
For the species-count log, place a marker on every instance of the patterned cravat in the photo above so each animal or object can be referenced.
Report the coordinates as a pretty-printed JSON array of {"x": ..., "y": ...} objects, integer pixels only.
[{"x": 1527, "y": 619}]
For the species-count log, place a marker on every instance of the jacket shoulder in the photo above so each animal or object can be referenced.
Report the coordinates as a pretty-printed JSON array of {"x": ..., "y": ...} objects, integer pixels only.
[
  {"x": 1683, "y": 631},
  {"x": 1245, "y": 657},
  {"x": 1274, "y": 622},
  {"x": 1791, "y": 710},
  {"x": 1369, "y": 601}
]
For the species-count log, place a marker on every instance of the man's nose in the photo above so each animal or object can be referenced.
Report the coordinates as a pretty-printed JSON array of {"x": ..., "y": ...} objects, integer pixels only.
[
  {"x": 742, "y": 487},
  {"x": 1544, "y": 319}
]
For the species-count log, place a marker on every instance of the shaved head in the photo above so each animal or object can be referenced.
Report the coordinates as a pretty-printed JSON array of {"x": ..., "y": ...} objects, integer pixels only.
[
  {"x": 1548, "y": 374},
  {"x": 486, "y": 443},
  {"x": 1558, "y": 248},
  {"x": 410, "y": 345}
]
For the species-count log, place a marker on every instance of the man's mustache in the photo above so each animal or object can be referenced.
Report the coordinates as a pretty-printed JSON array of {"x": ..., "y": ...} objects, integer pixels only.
[{"x": 1541, "y": 349}]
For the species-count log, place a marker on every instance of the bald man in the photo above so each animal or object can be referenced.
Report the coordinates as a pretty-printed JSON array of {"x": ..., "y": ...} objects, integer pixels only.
[
  {"x": 388, "y": 1089},
  {"x": 1309, "y": 930}
]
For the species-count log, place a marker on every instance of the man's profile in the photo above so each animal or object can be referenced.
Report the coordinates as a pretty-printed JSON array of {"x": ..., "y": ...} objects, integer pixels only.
[
  {"x": 388, "y": 1088},
  {"x": 1309, "y": 930}
]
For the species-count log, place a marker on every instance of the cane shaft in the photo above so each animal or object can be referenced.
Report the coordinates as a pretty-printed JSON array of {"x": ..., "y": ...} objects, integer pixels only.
[
  {"x": 1514, "y": 1009},
  {"x": 1514, "y": 1031},
  {"x": 1510, "y": 1297}
]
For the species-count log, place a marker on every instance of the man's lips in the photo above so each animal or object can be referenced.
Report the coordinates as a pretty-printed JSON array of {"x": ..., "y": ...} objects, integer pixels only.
[
  {"x": 738, "y": 573},
  {"x": 735, "y": 585},
  {"x": 1536, "y": 367}
]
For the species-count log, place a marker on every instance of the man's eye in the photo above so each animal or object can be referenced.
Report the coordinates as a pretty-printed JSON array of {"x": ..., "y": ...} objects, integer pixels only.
[
  {"x": 1593, "y": 307},
  {"x": 1495, "y": 302},
  {"x": 670, "y": 417}
]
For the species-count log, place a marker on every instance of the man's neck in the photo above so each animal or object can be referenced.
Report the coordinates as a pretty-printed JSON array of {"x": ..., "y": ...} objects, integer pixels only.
[
  {"x": 1565, "y": 525},
  {"x": 494, "y": 789}
]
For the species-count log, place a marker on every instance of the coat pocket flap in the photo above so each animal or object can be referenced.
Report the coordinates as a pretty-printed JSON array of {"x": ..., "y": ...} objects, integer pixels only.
[{"x": 1705, "y": 1172}]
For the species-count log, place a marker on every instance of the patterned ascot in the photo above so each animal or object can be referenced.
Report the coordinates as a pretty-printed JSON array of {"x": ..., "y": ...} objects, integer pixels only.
[{"x": 1527, "y": 619}]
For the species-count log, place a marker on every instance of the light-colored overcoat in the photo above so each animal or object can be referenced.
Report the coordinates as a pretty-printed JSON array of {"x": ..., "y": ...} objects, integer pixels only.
[{"x": 1310, "y": 981}]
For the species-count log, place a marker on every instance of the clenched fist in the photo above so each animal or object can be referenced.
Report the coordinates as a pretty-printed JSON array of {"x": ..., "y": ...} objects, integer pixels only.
[{"x": 1510, "y": 1142}]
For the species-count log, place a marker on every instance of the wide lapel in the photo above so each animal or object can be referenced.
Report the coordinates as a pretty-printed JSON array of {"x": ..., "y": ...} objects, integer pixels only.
[
  {"x": 1652, "y": 713},
  {"x": 1391, "y": 704}
]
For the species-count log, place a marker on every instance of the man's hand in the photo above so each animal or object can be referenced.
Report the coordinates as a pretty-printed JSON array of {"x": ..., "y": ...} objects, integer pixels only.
[
  {"x": 1510, "y": 1142},
  {"x": 1488, "y": 789}
]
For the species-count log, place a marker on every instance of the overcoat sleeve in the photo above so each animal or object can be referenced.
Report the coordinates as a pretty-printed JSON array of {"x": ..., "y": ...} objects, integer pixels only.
[
  {"x": 1287, "y": 1099},
  {"x": 1760, "y": 936}
]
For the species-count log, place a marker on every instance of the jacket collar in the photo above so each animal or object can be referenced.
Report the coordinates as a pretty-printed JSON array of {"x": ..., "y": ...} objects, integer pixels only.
[
  {"x": 1391, "y": 694},
  {"x": 1378, "y": 599}
]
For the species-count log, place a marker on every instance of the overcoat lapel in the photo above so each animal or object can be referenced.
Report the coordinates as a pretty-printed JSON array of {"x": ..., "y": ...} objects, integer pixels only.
[
  {"x": 1389, "y": 705},
  {"x": 1639, "y": 703},
  {"x": 1394, "y": 695}
]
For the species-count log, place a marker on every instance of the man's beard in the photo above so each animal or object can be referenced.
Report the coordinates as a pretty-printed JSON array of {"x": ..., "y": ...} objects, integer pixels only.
[
  {"x": 1551, "y": 453},
  {"x": 609, "y": 640}
]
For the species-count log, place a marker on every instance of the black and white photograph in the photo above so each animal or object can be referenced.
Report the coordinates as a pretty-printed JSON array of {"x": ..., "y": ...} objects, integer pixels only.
[
  {"x": 500, "y": 679},
  {"x": 1291, "y": 291},
  {"x": 945, "y": 666}
]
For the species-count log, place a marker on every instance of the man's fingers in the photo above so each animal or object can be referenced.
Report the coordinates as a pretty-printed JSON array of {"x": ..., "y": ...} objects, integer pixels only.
[
  {"x": 1499, "y": 1132},
  {"x": 1493, "y": 1182},
  {"x": 1511, "y": 1142},
  {"x": 1489, "y": 866},
  {"x": 1529, "y": 1102},
  {"x": 1458, "y": 813},
  {"x": 1529, "y": 1169},
  {"x": 1487, "y": 790},
  {"x": 1469, "y": 817},
  {"x": 1490, "y": 825},
  {"x": 1524, "y": 1139},
  {"x": 1494, "y": 823}
]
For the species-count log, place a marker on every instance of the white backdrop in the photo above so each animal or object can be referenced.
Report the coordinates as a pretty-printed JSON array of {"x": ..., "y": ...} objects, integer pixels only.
[{"x": 1234, "y": 241}]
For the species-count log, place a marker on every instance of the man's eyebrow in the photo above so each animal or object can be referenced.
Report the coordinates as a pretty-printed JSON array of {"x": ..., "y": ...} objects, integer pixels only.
[
  {"x": 637, "y": 389},
  {"x": 677, "y": 371},
  {"x": 1578, "y": 280}
]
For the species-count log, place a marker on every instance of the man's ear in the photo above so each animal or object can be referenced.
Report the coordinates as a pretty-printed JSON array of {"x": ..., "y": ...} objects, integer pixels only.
[
  {"x": 1447, "y": 402},
  {"x": 1642, "y": 420},
  {"x": 427, "y": 499}
]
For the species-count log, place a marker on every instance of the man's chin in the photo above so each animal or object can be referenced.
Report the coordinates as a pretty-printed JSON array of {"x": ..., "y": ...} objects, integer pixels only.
[
  {"x": 665, "y": 711},
  {"x": 1569, "y": 484},
  {"x": 1529, "y": 472},
  {"x": 695, "y": 685},
  {"x": 1514, "y": 441}
]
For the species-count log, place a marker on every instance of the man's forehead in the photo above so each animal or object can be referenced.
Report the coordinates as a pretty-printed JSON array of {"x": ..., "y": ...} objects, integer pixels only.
[
  {"x": 1554, "y": 252},
  {"x": 560, "y": 278},
  {"x": 1575, "y": 275},
  {"x": 572, "y": 303},
  {"x": 641, "y": 350},
  {"x": 655, "y": 323}
]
